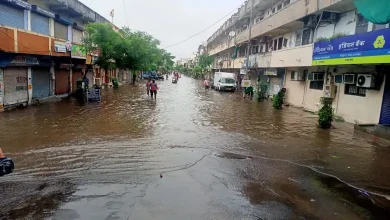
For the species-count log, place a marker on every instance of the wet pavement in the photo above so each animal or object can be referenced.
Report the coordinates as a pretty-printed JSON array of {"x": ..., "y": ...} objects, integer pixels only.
[{"x": 192, "y": 154}]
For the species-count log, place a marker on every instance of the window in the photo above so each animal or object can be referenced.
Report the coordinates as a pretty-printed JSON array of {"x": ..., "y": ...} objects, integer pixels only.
[
  {"x": 318, "y": 85},
  {"x": 279, "y": 7},
  {"x": 273, "y": 10},
  {"x": 351, "y": 89},
  {"x": 280, "y": 43},
  {"x": 275, "y": 44},
  {"x": 285, "y": 41},
  {"x": 306, "y": 36},
  {"x": 361, "y": 24},
  {"x": 287, "y": 2},
  {"x": 228, "y": 80},
  {"x": 255, "y": 49}
]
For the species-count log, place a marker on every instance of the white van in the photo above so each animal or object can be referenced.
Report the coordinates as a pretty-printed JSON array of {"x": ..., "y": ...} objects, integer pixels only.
[{"x": 224, "y": 81}]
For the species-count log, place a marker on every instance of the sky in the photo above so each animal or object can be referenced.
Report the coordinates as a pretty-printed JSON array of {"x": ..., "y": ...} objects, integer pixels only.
[{"x": 170, "y": 21}]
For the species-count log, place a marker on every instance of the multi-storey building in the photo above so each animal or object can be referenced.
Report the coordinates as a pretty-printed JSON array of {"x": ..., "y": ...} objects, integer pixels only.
[
  {"x": 314, "y": 49},
  {"x": 40, "y": 53}
]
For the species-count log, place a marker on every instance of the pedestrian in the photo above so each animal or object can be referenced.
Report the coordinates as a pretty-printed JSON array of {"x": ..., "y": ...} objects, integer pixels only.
[
  {"x": 249, "y": 92},
  {"x": 153, "y": 89},
  {"x": 206, "y": 83},
  {"x": 148, "y": 86}
]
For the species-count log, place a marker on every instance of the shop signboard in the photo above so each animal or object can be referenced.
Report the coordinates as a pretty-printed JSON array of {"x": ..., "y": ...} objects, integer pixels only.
[
  {"x": 94, "y": 94},
  {"x": 59, "y": 47},
  {"x": 366, "y": 48},
  {"x": 68, "y": 46},
  {"x": 78, "y": 52},
  {"x": 24, "y": 61},
  {"x": 245, "y": 83}
]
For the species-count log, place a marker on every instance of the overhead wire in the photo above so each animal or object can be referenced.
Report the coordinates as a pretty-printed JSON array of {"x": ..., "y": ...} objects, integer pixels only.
[{"x": 192, "y": 36}]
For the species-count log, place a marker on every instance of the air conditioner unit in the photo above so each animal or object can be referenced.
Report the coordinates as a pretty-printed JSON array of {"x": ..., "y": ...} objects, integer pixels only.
[
  {"x": 330, "y": 91},
  {"x": 349, "y": 78},
  {"x": 366, "y": 80},
  {"x": 330, "y": 16},
  {"x": 298, "y": 76}
]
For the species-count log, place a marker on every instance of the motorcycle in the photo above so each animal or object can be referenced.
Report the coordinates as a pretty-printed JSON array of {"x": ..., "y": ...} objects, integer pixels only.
[
  {"x": 6, "y": 165},
  {"x": 174, "y": 80}
]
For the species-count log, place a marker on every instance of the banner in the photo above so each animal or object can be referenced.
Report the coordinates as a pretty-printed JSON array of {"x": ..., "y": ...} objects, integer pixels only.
[
  {"x": 78, "y": 52},
  {"x": 366, "y": 48}
]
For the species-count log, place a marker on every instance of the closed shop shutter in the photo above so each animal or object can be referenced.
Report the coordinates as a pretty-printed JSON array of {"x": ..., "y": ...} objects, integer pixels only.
[
  {"x": 385, "y": 112},
  {"x": 39, "y": 24},
  {"x": 120, "y": 77},
  {"x": 62, "y": 81},
  {"x": 15, "y": 85},
  {"x": 77, "y": 36},
  {"x": 41, "y": 82},
  {"x": 60, "y": 31},
  {"x": 11, "y": 17}
]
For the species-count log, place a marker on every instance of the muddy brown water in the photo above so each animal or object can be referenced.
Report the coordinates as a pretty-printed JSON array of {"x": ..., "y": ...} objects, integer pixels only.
[{"x": 221, "y": 157}]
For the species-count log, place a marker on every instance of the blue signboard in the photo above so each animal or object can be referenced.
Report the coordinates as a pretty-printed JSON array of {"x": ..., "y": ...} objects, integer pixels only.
[
  {"x": 94, "y": 94},
  {"x": 366, "y": 48}
]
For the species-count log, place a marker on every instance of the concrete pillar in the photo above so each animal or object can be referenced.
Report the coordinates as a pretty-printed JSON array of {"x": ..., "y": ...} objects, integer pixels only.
[
  {"x": 70, "y": 33},
  {"x": 27, "y": 20},
  {"x": 53, "y": 81},
  {"x": 70, "y": 80},
  {"x": 51, "y": 26},
  {"x": 1, "y": 89},
  {"x": 30, "y": 87}
]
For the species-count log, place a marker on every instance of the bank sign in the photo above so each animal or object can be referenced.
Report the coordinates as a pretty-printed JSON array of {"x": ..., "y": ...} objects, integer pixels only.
[{"x": 367, "y": 48}]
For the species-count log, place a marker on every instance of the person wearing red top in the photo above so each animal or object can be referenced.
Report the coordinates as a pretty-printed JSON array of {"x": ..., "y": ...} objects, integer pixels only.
[{"x": 148, "y": 85}]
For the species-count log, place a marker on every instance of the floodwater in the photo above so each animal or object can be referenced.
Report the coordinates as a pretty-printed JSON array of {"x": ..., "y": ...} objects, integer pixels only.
[{"x": 190, "y": 154}]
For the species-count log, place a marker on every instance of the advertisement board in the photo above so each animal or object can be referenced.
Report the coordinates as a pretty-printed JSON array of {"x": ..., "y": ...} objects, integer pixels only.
[{"x": 366, "y": 48}]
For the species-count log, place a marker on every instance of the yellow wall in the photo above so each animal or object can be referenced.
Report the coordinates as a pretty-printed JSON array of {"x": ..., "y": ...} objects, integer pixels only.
[{"x": 294, "y": 90}]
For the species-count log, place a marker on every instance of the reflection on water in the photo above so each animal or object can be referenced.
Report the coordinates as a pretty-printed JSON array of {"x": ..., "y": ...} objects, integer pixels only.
[{"x": 128, "y": 137}]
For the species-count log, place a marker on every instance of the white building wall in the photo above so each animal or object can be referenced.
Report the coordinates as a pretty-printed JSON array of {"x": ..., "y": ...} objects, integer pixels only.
[{"x": 295, "y": 90}]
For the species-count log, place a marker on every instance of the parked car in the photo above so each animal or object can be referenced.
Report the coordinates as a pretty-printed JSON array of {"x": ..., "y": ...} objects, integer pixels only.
[{"x": 224, "y": 82}]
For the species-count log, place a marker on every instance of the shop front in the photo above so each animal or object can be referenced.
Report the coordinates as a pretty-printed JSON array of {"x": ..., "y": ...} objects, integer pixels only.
[{"x": 41, "y": 82}]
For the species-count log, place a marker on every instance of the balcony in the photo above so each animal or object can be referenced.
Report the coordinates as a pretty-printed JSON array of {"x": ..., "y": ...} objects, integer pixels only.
[
  {"x": 292, "y": 57},
  {"x": 223, "y": 46},
  {"x": 20, "y": 41}
]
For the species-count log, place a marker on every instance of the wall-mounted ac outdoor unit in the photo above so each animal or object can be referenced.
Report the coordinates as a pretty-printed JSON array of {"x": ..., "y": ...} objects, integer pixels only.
[
  {"x": 365, "y": 80},
  {"x": 349, "y": 78}
]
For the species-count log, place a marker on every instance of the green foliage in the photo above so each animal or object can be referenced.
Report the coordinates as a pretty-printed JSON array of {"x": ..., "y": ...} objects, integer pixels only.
[
  {"x": 205, "y": 61},
  {"x": 334, "y": 36},
  {"x": 125, "y": 49},
  {"x": 325, "y": 114},
  {"x": 278, "y": 100}
]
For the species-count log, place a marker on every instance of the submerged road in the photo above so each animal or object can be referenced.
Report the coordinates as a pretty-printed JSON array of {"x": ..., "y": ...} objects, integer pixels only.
[{"x": 190, "y": 154}]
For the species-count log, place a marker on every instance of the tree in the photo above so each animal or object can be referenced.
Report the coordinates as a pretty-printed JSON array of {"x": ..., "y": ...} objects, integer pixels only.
[
  {"x": 205, "y": 61},
  {"x": 127, "y": 49}
]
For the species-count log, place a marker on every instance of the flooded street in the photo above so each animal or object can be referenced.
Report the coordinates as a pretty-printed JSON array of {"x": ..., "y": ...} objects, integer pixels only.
[{"x": 219, "y": 157}]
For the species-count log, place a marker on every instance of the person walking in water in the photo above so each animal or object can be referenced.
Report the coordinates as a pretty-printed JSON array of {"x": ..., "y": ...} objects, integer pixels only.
[
  {"x": 148, "y": 86},
  {"x": 153, "y": 89},
  {"x": 206, "y": 83}
]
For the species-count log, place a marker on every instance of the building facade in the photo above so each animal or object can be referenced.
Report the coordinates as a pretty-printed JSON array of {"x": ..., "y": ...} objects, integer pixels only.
[
  {"x": 314, "y": 49},
  {"x": 40, "y": 50}
]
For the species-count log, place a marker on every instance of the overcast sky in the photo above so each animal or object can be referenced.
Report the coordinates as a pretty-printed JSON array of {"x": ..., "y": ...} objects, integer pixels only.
[{"x": 170, "y": 21}]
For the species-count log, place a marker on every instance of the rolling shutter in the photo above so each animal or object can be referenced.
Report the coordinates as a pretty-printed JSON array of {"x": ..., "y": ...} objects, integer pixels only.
[
  {"x": 62, "y": 81},
  {"x": 15, "y": 85},
  {"x": 39, "y": 24},
  {"x": 77, "y": 36},
  {"x": 60, "y": 31},
  {"x": 11, "y": 17},
  {"x": 385, "y": 111},
  {"x": 76, "y": 75},
  {"x": 41, "y": 82}
]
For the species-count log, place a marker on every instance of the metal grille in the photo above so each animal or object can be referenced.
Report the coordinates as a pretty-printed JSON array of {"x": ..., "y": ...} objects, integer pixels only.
[
  {"x": 11, "y": 17},
  {"x": 39, "y": 24},
  {"x": 385, "y": 112},
  {"x": 77, "y": 36},
  {"x": 60, "y": 31},
  {"x": 15, "y": 85},
  {"x": 41, "y": 82},
  {"x": 62, "y": 81}
]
